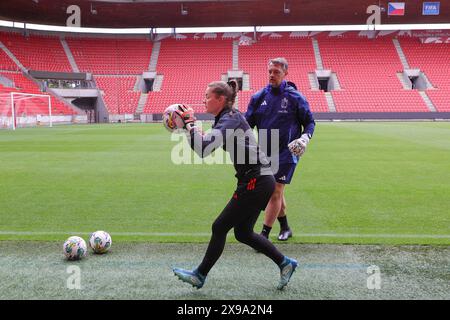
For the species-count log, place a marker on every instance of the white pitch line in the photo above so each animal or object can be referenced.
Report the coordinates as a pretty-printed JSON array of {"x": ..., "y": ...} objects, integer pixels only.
[
  {"x": 159, "y": 234},
  {"x": 202, "y": 234}
]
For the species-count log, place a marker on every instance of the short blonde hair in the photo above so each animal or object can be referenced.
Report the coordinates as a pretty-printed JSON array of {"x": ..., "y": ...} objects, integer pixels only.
[{"x": 280, "y": 61}]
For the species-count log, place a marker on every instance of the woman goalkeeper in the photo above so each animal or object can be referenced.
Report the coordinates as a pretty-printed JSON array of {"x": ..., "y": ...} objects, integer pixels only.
[{"x": 255, "y": 183}]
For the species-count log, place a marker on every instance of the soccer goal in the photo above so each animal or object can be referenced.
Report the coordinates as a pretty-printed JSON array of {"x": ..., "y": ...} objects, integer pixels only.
[{"x": 19, "y": 110}]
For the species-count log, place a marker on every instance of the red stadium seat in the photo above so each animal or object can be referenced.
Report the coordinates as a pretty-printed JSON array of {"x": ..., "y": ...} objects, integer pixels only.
[
  {"x": 433, "y": 59},
  {"x": 111, "y": 56},
  {"x": 366, "y": 69},
  {"x": 23, "y": 84},
  {"x": 37, "y": 52},
  {"x": 188, "y": 66},
  {"x": 300, "y": 55}
]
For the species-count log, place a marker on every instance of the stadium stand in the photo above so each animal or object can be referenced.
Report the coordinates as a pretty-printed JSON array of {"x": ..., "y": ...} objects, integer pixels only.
[
  {"x": 367, "y": 70},
  {"x": 111, "y": 56},
  {"x": 25, "y": 85},
  {"x": 253, "y": 59},
  {"x": 6, "y": 63},
  {"x": 122, "y": 59},
  {"x": 188, "y": 65},
  {"x": 37, "y": 52},
  {"x": 118, "y": 92},
  {"x": 434, "y": 60}
]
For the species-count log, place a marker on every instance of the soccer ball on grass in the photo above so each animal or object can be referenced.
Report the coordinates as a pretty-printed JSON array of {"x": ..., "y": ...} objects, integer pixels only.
[
  {"x": 74, "y": 248},
  {"x": 100, "y": 241}
]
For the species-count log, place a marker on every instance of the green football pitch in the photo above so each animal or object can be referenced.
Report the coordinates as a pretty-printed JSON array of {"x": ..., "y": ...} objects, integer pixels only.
[{"x": 374, "y": 192}]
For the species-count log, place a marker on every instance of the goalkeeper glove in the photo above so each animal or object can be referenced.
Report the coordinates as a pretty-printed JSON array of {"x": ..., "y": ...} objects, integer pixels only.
[
  {"x": 187, "y": 116},
  {"x": 298, "y": 146}
]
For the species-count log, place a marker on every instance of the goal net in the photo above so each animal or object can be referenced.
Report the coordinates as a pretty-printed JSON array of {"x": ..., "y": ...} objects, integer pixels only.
[{"x": 19, "y": 110}]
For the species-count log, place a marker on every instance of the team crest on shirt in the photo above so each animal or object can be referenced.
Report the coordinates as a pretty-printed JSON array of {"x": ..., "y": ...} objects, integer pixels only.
[{"x": 284, "y": 105}]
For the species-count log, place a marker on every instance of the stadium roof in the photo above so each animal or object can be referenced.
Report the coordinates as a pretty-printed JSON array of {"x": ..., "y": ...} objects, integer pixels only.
[{"x": 205, "y": 13}]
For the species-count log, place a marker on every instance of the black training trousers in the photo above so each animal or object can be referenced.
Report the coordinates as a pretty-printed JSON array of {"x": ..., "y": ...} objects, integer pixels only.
[{"x": 242, "y": 211}]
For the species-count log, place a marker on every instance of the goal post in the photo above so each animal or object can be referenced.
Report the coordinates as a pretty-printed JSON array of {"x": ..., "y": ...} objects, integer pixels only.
[{"x": 25, "y": 110}]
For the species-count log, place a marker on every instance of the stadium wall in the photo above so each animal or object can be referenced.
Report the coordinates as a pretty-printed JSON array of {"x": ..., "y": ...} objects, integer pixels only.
[
  {"x": 43, "y": 121},
  {"x": 339, "y": 116},
  {"x": 382, "y": 115}
]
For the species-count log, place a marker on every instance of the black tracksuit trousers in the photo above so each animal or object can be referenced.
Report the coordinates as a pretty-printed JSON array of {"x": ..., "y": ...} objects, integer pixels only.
[{"x": 241, "y": 213}]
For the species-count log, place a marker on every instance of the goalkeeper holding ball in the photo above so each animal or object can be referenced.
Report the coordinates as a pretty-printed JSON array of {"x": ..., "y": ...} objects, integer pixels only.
[
  {"x": 281, "y": 107},
  {"x": 255, "y": 183}
]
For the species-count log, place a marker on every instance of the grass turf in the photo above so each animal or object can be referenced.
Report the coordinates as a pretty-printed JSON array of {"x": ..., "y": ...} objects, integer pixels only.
[
  {"x": 358, "y": 183},
  {"x": 366, "y": 183},
  {"x": 37, "y": 270}
]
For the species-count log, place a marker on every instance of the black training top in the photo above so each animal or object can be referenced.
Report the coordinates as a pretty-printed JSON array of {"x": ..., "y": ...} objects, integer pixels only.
[{"x": 232, "y": 132}]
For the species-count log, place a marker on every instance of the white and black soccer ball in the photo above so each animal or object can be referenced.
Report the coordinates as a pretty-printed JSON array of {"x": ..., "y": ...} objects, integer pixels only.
[
  {"x": 171, "y": 118},
  {"x": 74, "y": 248},
  {"x": 100, "y": 241}
]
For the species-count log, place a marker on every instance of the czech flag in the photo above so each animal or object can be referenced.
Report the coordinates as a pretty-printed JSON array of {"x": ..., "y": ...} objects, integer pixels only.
[{"x": 396, "y": 9}]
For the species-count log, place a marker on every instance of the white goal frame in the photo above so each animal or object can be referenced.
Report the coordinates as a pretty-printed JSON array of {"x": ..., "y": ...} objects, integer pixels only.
[{"x": 25, "y": 95}]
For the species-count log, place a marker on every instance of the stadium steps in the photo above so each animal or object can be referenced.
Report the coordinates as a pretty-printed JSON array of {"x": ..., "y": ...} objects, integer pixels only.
[
  {"x": 429, "y": 84},
  {"x": 245, "y": 82},
  {"x": 6, "y": 64},
  {"x": 102, "y": 56},
  {"x": 402, "y": 80},
  {"x": 427, "y": 101},
  {"x": 157, "y": 84},
  {"x": 13, "y": 57},
  {"x": 6, "y": 82},
  {"x": 236, "y": 55},
  {"x": 401, "y": 54},
  {"x": 141, "y": 103},
  {"x": 52, "y": 93},
  {"x": 154, "y": 57},
  {"x": 69, "y": 55},
  {"x": 432, "y": 59},
  {"x": 330, "y": 102},
  {"x": 337, "y": 84},
  {"x": 317, "y": 55},
  {"x": 136, "y": 84},
  {"x": 313, "y": 81}
]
